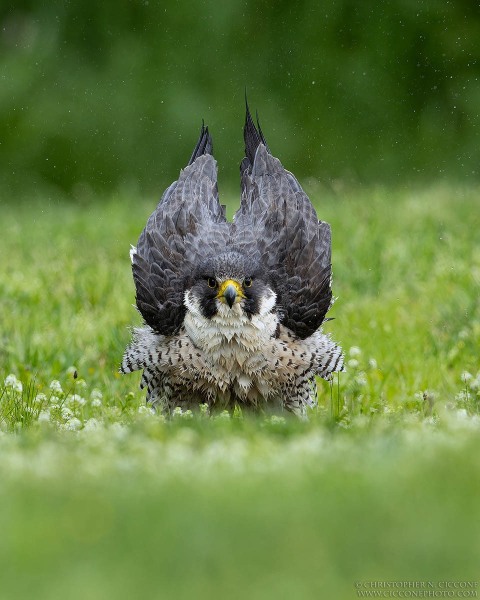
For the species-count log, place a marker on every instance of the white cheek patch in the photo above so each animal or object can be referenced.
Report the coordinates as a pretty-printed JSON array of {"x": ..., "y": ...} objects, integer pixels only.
[
  {"x": 192, "y": 303},
  {"x": 267, "y": 303}
]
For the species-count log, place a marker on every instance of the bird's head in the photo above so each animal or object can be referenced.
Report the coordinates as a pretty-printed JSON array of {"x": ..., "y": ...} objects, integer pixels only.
[{"x": 230, "y": 284}]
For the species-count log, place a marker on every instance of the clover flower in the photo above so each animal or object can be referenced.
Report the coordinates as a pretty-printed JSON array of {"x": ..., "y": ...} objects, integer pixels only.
[
  {"x": 56, "y": 387},
  {"x": 76, "y": 399},
  {"x": 40, "y": 398},
  {"x": 44, "y": 416},
  {"x": 475, "y": 383},
  {"x": 96, "y": 398},
  {"x": 66, "y": 412},
  {"x": 361, "y": 379},
  {"x": 73, "y": 424},
  {"x": 13, "y": 383}
]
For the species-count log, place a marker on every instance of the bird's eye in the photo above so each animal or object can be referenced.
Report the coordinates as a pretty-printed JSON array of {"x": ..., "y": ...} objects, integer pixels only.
[
  {"x": 247, "y": 282},
  {"x": 212, "y": 282}
]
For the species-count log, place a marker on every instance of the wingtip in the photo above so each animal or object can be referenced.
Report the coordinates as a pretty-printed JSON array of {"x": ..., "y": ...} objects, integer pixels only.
[
  {"x": 260, "y": 132},
  {"x": 253, "y": 137},
  {"x": 204, "y": 144}
]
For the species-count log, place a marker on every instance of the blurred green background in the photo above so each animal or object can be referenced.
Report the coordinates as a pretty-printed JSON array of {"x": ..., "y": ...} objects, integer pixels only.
[{"x": 97, "y": 97}]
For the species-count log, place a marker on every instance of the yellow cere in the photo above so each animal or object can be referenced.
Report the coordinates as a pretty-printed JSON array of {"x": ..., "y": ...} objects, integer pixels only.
[{"x": 223, "y": 286}]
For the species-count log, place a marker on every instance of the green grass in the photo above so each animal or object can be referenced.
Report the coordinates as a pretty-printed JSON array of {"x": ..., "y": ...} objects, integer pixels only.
[{"x": 100, "y": 498}]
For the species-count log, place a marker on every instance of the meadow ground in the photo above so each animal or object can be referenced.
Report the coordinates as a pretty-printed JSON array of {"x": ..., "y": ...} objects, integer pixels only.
[{"x": 102, "y": 498}]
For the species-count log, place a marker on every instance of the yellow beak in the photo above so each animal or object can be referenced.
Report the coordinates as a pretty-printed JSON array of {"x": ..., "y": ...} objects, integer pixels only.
[{"x": 230, "y": 292}]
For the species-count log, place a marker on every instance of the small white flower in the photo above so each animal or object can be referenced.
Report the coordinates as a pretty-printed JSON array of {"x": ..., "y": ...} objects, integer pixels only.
[
  {"x": 76, "y": 399},
  {"x": 73, "y": 424},
  {"x": 66, "y": 413},
  {"x": 354, "y": 351},
  {"x": 352, "y": 363},
  {"x": 44, "y": 416},
  {"x": 96, "y": 394},
  {"x": 12, "y": 382},
  {"x": 56, "y": 387},
  {"x": 187, "y": 414},
  {"x": 373, "y": 363},
  {"x": 144, "y": 410},
  {"x": 361, "y": 379},
  {"x": 96, "y": 402},
  {"x": 466, "y": 376},
  {"x": 177, "y": 411},
  {"x": 462, "y": 396},
  {"x": 40, "y": 398},
  {"x": 475, "y": 384}
]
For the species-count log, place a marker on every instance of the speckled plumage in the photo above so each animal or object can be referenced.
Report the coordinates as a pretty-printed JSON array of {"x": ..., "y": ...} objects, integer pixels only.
[{"x": 233, "y": 311}]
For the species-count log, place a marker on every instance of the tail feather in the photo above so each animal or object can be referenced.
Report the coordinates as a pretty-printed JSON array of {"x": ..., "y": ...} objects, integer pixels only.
[
  {"x": 331, "y": 360},
  {"x": 133, "y": 359},
  {"x": 139, "y": 353}
]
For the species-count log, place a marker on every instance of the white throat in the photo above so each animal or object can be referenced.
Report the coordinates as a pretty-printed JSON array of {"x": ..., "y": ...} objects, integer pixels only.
[{"x": 230, "y": 328}]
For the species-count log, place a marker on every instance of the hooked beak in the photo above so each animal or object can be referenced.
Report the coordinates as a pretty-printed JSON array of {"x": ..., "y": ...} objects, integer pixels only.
[
  {"x": 230, "y": 295},
  {"x": 230, "y": 292}
]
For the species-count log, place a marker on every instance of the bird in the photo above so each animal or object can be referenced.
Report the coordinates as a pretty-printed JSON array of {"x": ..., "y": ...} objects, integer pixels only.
[{"x": 233, "y": 310}]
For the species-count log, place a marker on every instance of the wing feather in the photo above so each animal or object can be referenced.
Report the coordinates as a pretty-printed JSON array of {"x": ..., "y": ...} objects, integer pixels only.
[
  {"x": 294, "y": 245},
  {"x": 182, "y": 230}
]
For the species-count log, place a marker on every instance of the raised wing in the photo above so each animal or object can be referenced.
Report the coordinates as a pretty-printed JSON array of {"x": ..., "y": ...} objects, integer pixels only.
[
  {"x": 187, "y": 225},
  {"x": 295, "y": 247}
]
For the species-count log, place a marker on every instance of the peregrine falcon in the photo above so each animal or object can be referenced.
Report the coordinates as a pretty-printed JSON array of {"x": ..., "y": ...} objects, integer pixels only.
[{"x": 233, "y": 310}]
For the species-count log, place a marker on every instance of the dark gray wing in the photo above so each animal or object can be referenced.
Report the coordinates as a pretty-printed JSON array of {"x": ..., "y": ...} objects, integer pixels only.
[
  {"x": 294, "y": 246},
  {"x": 188, "y": 225}
]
